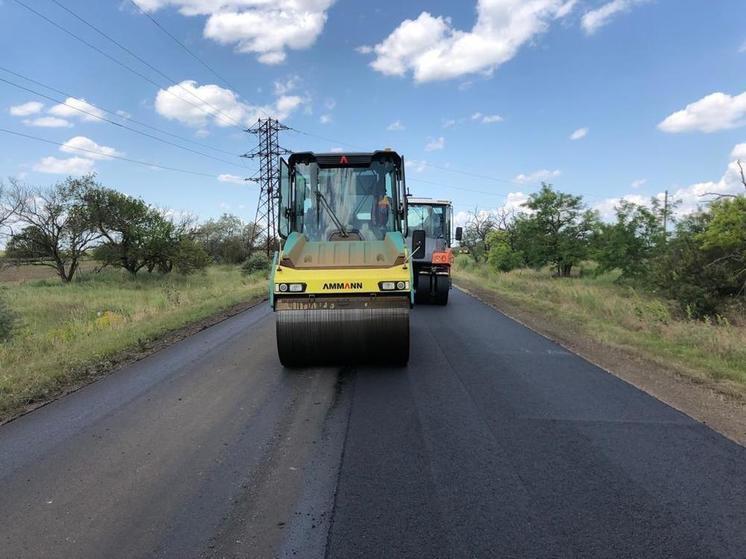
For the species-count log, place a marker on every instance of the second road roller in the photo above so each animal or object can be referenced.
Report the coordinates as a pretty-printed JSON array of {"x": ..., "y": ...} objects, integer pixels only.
[{"x": 341, "y": 283}]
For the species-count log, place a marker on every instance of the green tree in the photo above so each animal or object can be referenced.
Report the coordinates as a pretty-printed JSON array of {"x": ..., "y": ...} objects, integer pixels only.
[
  {"x": 502, "y": 257},
  {"x": 58, "y": 229},
  {"x": 556, "y": 231},
  {"x": 631, "y": 241},
  {"x": 228, "y": 240},
  {"x": 478, "y": 227}
]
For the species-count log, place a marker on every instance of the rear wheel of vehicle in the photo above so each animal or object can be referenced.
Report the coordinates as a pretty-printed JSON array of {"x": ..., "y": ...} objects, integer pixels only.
[
  {"x": 442, "y": 288},
  {"x": 422, "y": 290}
]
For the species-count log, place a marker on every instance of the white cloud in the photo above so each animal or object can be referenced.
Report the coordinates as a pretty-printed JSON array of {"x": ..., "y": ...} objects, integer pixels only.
[
  {"x": 71, "y": 166},
  {"x": 336, "y": 150},
  {"x": 325, "y": 119},
  {"x": 542, "y": 175},
  {"x": 395, "y": 126},
  {"x": 231, "y": 178},
  {"x": 48, "y": 122},
  {"x": 262, "y": 27},
  {"x": 26, "y": 109},
  {"x": 594, "y": 20},
  {"x": 418, "y": 166},
  {"x": 70, "y": 110},
  {"x": 579, "y": 134},
  {"x": 286, "y": 86},
  {"x": 739, "y": 152},
  {"x": 690, "y": 197},
  {"x": 714, "y": 112},
  {"x": 490, "y": 119},
  {"x": 89, "y": 148},
  {"x": 449, "y": 123},
  {"x": 435, "y": 144},
  {"x": 220, "y": 106},
  {"x": 202, "y": 133},
  {"x": 639, "y": 183},
  {"x": 432, "y": 49},
  {"x": 743, "y": 47},
  {"x": 513, "y": 203},
  {"x": 330, "y": 103}
]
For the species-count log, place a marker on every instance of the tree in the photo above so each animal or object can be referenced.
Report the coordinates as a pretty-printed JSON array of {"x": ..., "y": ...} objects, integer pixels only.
[
  {"x": 133, "y": 233},
  {"x": 10, "y": 203},
  {"x": 557, "y": 230},
  {"x": 631, "y": 241},
  {"x": 502, "y": 256},
  {"x": 228, "y": 240},
  {"x": 57, "y": 226},
  {"x": 478, "y": 227}
]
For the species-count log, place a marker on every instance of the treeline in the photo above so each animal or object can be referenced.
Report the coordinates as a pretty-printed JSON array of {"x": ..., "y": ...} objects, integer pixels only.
[
  {"x": 59, "y": 226},
  {"x": 700, "y": 262}
]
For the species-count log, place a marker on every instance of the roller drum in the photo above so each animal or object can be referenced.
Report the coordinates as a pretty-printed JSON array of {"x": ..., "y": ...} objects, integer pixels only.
[{"x": 344, "y": 332}]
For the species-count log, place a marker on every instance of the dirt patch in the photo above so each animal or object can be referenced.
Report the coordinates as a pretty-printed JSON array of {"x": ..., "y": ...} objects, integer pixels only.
[
  {"x": 100, "y": 369},
  {"x": 720, "y": 405}
]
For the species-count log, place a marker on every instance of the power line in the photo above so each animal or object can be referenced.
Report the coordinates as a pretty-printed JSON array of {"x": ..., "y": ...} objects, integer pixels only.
[
  {"x": 182, "y": 45},
  {"x": 145, "y": 62},
  {"x": 111, "y": 112},
  {"x": 119, "y": 124},
  {"x": 108, "y": 156},
  {"x": 110, "y": 57}
]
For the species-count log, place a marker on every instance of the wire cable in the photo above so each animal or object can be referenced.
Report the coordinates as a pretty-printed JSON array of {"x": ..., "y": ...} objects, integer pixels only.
[{"x": 108, "y": 156}]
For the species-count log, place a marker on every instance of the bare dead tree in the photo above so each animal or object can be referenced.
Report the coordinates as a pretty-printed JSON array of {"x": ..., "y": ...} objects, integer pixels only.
[
  {"x": 9, "y": 207},
  {"x": 719, "y": 195}
]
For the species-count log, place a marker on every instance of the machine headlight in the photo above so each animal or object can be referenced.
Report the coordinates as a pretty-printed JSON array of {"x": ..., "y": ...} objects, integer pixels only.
[
  {"x": 393, "y": 285},
  {"x": 297, "y": 287},
  {"x": 282, "y": 287}
]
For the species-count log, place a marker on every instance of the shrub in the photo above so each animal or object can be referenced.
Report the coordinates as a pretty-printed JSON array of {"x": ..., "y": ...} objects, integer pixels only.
[{"x": 257, "y": 262}]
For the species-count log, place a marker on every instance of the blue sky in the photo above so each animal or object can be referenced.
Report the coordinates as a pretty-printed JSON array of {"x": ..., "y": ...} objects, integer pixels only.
[{"x": 653, "y": 91}]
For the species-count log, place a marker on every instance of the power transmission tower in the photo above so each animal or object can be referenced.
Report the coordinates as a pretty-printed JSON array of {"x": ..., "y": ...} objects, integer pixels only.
[{"x": 268, "y": 151}]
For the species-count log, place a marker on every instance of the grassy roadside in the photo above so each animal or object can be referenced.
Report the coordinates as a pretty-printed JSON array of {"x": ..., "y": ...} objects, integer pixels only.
[
  {"x": 65, "y": 334},
  {"x": 621, "y": 319}
]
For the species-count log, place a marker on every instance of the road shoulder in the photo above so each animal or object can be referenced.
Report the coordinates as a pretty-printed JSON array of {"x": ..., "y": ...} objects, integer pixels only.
[{"x": 706, "y": 401}]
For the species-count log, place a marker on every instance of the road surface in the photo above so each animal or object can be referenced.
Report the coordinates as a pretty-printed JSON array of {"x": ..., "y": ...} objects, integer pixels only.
[{"x": 494, "y": 442}]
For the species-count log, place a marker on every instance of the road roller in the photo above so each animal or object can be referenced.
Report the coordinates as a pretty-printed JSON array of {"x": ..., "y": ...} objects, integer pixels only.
[
  {"x": 429, "y": 223},
  {"x": 341, "y": 283}
]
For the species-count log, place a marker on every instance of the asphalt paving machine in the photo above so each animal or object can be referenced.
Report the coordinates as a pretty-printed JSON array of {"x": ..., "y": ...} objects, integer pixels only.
[
  {"x": 429, "y": 224},
  {"x": 341, "y": 283}
]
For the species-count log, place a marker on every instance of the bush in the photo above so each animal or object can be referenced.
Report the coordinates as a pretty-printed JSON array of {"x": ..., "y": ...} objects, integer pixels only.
[
  {"x": 8, "y": 319},
  {"x": 257, "y": 262}
]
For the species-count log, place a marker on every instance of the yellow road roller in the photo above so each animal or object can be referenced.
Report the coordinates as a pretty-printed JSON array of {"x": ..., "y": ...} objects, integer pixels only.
[{"x": 341, "y": 283}]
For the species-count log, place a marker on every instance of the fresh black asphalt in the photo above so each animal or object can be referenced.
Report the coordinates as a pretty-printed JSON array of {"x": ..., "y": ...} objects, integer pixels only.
[{"x": 493, "y": 442}]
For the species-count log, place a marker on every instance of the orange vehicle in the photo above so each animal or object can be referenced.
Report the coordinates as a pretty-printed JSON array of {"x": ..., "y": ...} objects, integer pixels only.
[{"x": 429, "y": 224}]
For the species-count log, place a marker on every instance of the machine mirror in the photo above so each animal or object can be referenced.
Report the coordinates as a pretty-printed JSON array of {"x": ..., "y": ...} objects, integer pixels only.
[
  {"x": 459, "y": 233},
  {"x": 418, "y": 244},
  {"x": 284, "y": 203}
]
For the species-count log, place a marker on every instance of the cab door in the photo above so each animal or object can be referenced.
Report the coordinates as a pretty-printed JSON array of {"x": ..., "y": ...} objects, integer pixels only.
[{"x": 285, "y": 201}]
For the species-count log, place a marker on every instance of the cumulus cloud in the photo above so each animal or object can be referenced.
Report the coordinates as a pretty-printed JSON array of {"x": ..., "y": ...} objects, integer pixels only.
[
  {"x": 512, "y": 203},
  {"x": 48, "y": 122},
  {"x": 197, "y": 105},
  {"x": 416, "y": 165},
  {"x": 26, "y": 109},
  {"x": 714, "y": 112},
  {"x": 688, "y": 198},
  {"x": 639, "y": 183},
  {"x": 579, "y": 134},
  {"x": 435, "y": 144},
  {"x": 543, "y": 175},
  {"x": 89, "y": 148},
  {"x": 432, "y": 49},
  {"x": 286, "y": 86},
  {"x": 395, "y": 126},
  {"x": 231, "y": 178},
  {"x": 594, "y": 20},
  {"x": 325, "y": 119},
  {"x": 486, "y": 119},
  {"x": 71, "y": 166},
  {"x": 739, "y": 152},
  {"x": 260, "y": 27},
  {"x": 72, "y": 108}
]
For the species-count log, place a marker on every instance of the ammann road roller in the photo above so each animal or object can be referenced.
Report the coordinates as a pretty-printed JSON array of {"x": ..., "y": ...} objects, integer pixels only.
[
  {"x": 429, "y": 225},
  {"x": 341, "y": 284}
]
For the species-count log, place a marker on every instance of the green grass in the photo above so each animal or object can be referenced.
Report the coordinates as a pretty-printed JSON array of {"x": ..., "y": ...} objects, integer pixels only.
[
  {"x": 622, "y": 317},
  {"x": 65, "y": 331}
]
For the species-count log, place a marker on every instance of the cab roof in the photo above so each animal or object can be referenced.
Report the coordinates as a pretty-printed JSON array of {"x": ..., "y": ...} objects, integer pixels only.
[
  {"x": 345, "y": 159},
  {"x": 428, "y": 201}
]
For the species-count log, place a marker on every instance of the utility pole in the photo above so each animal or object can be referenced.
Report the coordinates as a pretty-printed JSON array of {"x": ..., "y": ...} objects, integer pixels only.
[{"x": 268, "y": 151}]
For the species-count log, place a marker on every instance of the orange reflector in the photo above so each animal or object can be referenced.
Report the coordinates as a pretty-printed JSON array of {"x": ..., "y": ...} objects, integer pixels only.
[{"x": 443, "y": 257}]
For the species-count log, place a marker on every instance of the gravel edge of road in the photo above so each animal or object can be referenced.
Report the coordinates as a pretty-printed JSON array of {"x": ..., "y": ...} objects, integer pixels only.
[
  {"x": 99, "y": 370},
  {"x": 701, "y": 400}
]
